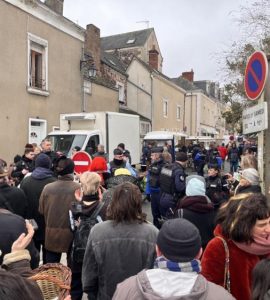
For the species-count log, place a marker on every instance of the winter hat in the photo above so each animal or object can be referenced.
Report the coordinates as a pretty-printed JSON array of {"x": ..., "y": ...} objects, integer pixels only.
[
  {"x": 98, "y": 164},
  {"x": 64, "y": 166},
  {"x": 179, "y": 240},
  {"x": 251, "y": 175},
  {"x": 121, "y": 171},
  {"x": 195, "y": 185},
  {"x": 43, "y": 161},
  {"x": 181, "y": 156}
]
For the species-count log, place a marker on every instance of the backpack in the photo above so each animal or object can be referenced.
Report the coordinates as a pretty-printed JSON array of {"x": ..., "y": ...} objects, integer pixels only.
[
  {"x": 167, "y": 178},
  {"x": 82, "y": 233}
]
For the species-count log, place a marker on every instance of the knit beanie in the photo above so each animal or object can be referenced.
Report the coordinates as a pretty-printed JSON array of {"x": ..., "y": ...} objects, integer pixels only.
[
  {"x": 179, "y": 240},
  {"x": 64, "y": 166},
  {"x": 195, "y": 185},
  {"x": 251, "y": 175},
  {"x": 98, "y": 164},
  {"x": 181, "y": 156},
  {"x": 43, "y": 161}
]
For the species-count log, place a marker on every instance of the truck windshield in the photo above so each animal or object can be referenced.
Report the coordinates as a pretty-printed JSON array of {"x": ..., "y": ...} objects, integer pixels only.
[{"x": 65, "y": 143}]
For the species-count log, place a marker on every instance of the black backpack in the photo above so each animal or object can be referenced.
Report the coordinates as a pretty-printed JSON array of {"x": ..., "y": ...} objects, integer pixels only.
[{"x": 82, "y": 233}]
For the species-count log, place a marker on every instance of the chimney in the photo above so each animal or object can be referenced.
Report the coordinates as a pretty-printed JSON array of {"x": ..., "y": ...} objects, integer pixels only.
[
  {"x": 55, "y": 5},
  {"x": 92, "y": 43},
  {"x": 153, "y": 58},
  {"x": 188, "y": 75}
]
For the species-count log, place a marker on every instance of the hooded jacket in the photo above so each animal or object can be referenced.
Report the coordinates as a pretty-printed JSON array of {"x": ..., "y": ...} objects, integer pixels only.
[{"x": 163, "y": 284}]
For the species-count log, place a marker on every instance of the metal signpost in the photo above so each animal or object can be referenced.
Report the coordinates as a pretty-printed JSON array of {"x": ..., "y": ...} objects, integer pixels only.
[{"x": 255, "y": 119}]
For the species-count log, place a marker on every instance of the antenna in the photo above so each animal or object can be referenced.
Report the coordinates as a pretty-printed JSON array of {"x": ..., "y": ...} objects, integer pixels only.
[{"x": 145, "y": 22}]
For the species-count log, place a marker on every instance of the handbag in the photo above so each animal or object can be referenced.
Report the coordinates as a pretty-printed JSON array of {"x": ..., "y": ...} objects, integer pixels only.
[{"x": 227, "y": 278}]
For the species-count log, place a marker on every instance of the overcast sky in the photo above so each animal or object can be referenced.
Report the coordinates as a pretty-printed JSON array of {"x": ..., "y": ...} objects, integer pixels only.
[{"x": 189, "y": 32}]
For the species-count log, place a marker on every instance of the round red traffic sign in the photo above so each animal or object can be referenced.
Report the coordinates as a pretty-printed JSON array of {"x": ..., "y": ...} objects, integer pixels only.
[
  {"x": 256, "y": 75},
  {"x": 82, "y": 161}
]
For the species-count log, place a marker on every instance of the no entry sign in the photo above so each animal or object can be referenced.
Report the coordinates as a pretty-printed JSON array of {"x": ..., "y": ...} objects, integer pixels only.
[
  {"x": 82, "y": 161},
  {"x": 255, "y": 75}
]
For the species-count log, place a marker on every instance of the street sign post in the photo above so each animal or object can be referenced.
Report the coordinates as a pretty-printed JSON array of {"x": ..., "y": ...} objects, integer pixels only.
[
  {"x": 82, "y": 161},
  {"x": 255, "y": 75}
]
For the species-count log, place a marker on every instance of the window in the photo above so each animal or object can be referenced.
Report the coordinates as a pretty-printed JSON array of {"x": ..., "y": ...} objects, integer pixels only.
[
  {"x": 145, "y": 127},
  {"x": 178, "y": 112},
  {"x": 91, "y": 147},
  {"x": 165, "y": 108},
  {"x": 87, "y": 87},
  {"x": 131, "y": 41},
  {"x": 121, "y": 92},
  {"x": 37, "y": 65}
]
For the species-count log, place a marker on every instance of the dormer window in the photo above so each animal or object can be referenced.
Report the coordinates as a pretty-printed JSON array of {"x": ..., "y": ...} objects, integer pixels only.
[{"x": 131, "y": 41}]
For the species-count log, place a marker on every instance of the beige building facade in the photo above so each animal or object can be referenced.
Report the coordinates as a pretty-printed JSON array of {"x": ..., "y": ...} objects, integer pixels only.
[{"x": 40, "y": 74}]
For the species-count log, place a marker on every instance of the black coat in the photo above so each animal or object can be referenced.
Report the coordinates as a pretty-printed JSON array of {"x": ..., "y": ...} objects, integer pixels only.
[
  {"x": 32, "y": 188},
  {"x": 15, "y": 199},
  {"x": 199, "y": 210},
  {"x": 11, "y": 227},
  {"x": 24, "y": 163}
]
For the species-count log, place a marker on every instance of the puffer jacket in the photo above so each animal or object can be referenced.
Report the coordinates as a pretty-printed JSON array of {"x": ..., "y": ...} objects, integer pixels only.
[{"x": 162, "y": 284}]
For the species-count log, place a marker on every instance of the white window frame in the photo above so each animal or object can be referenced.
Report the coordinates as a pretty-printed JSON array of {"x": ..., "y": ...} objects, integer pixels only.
[
  {"x": 165, "y": 108},
  {"x": 178, "y": 112},
  {"x": 121, "y": 92},
  {"x": 31, "y": 38},
  {"x": 87, "y": 87}
]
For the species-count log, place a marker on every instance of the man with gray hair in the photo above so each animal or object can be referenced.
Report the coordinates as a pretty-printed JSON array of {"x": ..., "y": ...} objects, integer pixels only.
[{"x": 101, "y": 152}]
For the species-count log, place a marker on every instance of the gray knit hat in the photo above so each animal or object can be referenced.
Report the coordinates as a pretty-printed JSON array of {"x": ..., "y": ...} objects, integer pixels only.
[
  {"x": 179, "y": 240},
  {"x": 251, "y": 175}
]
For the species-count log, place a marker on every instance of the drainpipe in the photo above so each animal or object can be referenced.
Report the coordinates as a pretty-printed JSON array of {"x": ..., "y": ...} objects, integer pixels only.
[
  {"x": 152, "y": 102},
  {"x": 82, "y": 83}
]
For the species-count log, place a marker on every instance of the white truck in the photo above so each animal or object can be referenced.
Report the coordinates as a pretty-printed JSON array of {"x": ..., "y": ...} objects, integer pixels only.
[{"x": 87, "y": 130}]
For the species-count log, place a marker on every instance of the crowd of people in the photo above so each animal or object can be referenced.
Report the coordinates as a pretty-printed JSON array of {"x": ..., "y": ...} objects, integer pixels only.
[{"x": 210, "y": 237}]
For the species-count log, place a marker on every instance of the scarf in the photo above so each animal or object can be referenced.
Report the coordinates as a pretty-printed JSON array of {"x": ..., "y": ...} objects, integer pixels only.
[
  {"x": 42, "y": 173},
  {"x": 260, "y": 246},
  {"x": 90, "y": 198},
  {"x": 192, "y": 266},
  {"x": 200, "y": 204}
]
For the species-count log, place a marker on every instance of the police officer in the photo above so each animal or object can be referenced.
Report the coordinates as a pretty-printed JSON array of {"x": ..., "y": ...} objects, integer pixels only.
[
  {"x": 217, "y": 187},
  {"x": 153, "y": 182},
  {"x": 172, "y": 184}
]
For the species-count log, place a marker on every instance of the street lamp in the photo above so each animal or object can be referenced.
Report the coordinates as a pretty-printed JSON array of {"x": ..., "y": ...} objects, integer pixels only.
[{"x": 87, "y": 66}]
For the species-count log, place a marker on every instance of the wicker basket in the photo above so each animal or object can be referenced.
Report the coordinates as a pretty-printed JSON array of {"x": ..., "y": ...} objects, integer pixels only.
[{"x": 54, "y": 280}]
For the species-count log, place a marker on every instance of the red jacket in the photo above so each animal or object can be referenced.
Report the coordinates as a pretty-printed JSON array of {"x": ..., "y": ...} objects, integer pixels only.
[
  {"x": 222, "y": 152},
  {"x": 241, "y": 265}
]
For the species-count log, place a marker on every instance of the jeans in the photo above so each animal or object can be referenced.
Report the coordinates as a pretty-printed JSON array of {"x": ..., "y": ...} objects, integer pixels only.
[
  {"x": 234, "y": 166},
  {"x": 155, "y": 208}
]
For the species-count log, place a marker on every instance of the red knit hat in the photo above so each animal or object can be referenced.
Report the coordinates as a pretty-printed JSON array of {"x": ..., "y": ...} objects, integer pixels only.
[{"x": 98, "y": 164}]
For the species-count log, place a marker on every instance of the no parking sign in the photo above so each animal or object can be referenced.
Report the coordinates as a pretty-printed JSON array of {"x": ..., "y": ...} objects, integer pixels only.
[{"x": 256, "y": 75}]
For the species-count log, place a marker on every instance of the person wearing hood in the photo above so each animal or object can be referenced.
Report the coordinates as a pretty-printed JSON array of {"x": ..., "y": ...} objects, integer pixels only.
[
  {"x": 176, "y": 274},
  {"x": 33, "y": 186},
  {"x": 197, "y": 208},
  {"x": 54, "y": 205}
]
